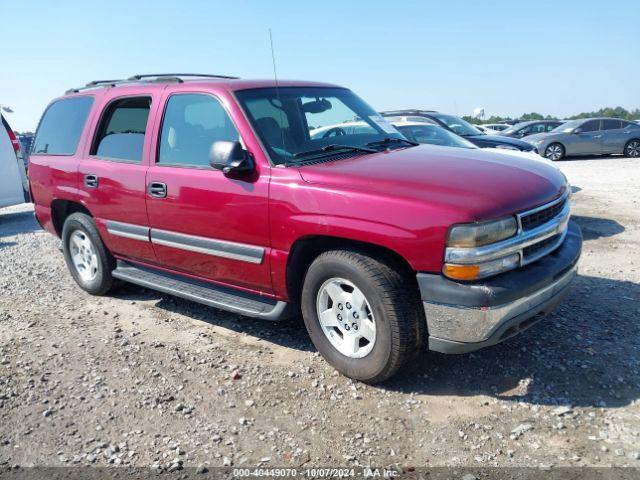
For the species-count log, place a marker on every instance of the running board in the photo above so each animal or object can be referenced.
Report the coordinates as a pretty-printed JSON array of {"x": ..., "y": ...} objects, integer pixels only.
[{"x": 203, "y": 292}]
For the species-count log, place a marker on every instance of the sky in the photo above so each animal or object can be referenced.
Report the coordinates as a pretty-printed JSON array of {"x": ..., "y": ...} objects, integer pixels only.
[{"x": 506, "y": 56}]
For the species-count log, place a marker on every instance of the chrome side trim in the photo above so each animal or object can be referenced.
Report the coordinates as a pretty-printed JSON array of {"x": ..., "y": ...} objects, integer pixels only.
[
  {"x": 128, "y": 230},
  {"x": 555, "y": 226},
  {"x": 208, "y": 246}
]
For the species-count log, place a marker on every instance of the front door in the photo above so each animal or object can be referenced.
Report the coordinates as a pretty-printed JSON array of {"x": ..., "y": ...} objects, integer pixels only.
[
  {"x": 112, "y": 176},
  {"x": 588, "y": 141},
  {"x": 203, "y": 222}
]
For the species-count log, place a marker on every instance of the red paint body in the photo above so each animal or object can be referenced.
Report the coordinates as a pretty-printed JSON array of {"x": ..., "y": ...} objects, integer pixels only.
[{"x": 403, "y": 200}]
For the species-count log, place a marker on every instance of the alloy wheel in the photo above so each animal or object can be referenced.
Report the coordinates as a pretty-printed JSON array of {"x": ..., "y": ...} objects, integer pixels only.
[
  {"x": 83, "y": 255},
  {"x": 346, "y": 318},
  {"x": 633, "y": 149},
  {"x": 553, "y": 152}
]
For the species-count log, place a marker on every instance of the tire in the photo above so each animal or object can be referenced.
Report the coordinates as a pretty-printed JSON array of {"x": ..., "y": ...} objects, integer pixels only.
[
  {"x": 391, "y": 305},
  {"x": 554, "y": 152},
  {"x": 91, "y": 267},
  {"x": 632, "y": 148}
]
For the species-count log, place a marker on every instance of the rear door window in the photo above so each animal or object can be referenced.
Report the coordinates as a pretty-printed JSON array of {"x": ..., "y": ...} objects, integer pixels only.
[
  {"x": 611, "y": 124},
  {"x": 121, "y": 131},
  {"x": 61, "y": 126}
]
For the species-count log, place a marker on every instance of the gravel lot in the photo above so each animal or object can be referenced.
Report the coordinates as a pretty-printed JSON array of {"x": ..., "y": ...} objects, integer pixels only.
[{"x": 140, "y": 378}]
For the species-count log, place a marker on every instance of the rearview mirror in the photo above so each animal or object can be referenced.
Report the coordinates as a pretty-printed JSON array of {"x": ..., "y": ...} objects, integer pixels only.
[
  {"x": 317, "y": 106},
  {"x": 230, "y": 157}
]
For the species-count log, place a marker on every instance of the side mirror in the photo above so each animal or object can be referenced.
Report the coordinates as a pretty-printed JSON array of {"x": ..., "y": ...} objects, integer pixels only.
[
  {"x": 230, "y": 157},
  {"x": 577, "y": 130}
]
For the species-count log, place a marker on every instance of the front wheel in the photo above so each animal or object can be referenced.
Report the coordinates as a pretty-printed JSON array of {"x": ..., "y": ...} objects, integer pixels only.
[
  {"x": 88, "y": 260},
  {"x": 632, "y": 148},
  {"x": 554, "y": 152},
  {"x": 362, "y": 314}
]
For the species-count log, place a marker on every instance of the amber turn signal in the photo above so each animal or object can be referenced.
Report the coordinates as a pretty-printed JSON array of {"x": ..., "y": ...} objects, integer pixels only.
[{"x": 461, "y": 272}]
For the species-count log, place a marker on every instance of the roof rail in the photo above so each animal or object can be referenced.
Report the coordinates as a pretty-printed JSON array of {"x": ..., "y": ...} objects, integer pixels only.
[
  {"x": 178, "y": 75},
  {"x": 154, "y": 77}
]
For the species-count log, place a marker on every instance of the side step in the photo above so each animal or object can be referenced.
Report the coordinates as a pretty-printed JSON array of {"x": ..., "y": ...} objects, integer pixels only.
[{"x": 203, "y": 292}]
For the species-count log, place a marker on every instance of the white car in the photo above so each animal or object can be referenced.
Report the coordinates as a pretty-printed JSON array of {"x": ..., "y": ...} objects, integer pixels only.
[
  {"x": 14, "y": 187},
  {"x": 486, "y": 130},
  {"x": 498, "y": 127}
]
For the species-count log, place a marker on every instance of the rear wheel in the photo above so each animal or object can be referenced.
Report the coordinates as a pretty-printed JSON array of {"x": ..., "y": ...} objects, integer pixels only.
[
  {"x": 88, "y": 260},
  {"x": 632, "y": 148},
  {"x": 362, "y": 314},
  {"x": 554, "y": 152}
]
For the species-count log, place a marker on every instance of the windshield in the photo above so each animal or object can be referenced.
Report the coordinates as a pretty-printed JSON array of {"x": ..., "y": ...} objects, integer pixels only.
[
  {"x": 458, "y": 125},
  {"x": 568, "y": 126},
  {"x": 434, "y": 135},
  {"x": 296, "y": 123}
]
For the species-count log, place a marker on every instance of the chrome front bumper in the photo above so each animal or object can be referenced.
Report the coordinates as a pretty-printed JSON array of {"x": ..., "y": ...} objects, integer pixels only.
[{"x": 462, "y": 317}]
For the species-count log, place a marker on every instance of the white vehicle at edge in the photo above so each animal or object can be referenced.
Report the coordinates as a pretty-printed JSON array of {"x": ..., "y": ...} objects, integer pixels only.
[{"x": 13, "y": 178}]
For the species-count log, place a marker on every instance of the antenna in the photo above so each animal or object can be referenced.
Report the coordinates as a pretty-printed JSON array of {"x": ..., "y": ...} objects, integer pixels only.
[
  {"x": 275, "y": 77},
  {"x": 273, "y": 59}
]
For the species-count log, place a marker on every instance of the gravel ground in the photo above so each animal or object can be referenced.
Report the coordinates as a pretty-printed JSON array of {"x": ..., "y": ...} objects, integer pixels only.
[{"x": 140, "y": 378}]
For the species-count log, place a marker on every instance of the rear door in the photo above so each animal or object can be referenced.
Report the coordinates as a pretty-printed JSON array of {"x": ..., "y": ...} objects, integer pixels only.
[
  {"x": 613, "y": 136},
  {"x": 112, "y": 174},
  {"x": 203, "y": 222}
]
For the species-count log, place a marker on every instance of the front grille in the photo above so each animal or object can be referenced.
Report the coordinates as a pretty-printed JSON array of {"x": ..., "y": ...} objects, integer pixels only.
[
  {"x": 535, "y": 219},
  {"x": 540, "y": 249}
]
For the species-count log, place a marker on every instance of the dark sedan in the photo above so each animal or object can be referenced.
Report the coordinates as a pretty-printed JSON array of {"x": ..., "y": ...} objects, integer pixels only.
[
  {"x": 463, "y": 128},
  {"x": 531, "y": 127}
]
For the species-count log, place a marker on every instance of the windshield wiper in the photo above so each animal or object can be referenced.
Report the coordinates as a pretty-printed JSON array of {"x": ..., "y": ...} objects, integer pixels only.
[
  {"x": 392, "y": 140},
  {"x": 334, "y": 146}
]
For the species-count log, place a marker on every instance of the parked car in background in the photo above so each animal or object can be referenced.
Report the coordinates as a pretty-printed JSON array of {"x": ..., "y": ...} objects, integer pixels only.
[
  {"x": 433, "y": 134},
  {"x": 26, "y": 140},
  {"x": 590, "y": 136},
  {"x": 486, "y": 130},
  {"x": 498, "y": 127},
  {"x": 213, "y": 189},
  {"x": 531, "y": 127},
  {"x": 463, "y": 128},
  {"x": 13, "y": 180}
]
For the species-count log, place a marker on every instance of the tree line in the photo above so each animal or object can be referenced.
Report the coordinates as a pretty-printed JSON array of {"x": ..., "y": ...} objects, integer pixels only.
[{"x": 617, "y": 112}]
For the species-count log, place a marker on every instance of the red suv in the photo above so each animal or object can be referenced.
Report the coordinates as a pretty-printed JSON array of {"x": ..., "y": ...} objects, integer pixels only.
[{"x": 212, "y": 189}]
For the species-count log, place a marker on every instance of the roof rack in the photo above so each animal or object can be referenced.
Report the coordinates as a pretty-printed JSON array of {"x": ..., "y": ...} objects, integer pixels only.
[
  {"x": 178, "y": 75},
  {"x": 153, "y": 77}
]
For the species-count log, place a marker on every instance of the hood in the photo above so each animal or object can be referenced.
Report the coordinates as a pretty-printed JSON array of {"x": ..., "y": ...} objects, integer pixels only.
[
  {"x": 474, "y": 183},
  {"x": 493, "y": 140}
]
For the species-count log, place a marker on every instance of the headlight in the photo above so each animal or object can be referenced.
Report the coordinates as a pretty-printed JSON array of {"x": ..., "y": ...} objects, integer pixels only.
[
  {"x": 482, "y": 269},
  {"x": 474, "y": 235},
  {"x": 508, "y": 147},
  {"x": 478, "y": 234}
]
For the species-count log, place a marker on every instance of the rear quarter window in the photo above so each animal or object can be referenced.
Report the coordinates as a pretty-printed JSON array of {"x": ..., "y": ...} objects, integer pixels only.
[{"x": 61, "y": 126}]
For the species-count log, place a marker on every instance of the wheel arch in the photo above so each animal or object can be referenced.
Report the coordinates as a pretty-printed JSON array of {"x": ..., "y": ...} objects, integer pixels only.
[
  {"x": 306, "y": 249},
  {"x": 61, "y": 209}
]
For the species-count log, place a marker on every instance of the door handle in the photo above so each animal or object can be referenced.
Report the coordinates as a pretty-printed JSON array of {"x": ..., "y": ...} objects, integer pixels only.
[
  {"x": 91, "y": 181},
  {"x": 158, "y": 189},
  {"x": 597, "y": 136}
]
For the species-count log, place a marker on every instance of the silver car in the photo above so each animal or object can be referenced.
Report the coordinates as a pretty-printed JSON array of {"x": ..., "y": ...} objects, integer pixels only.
[{"x": 589, "y": 136}]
